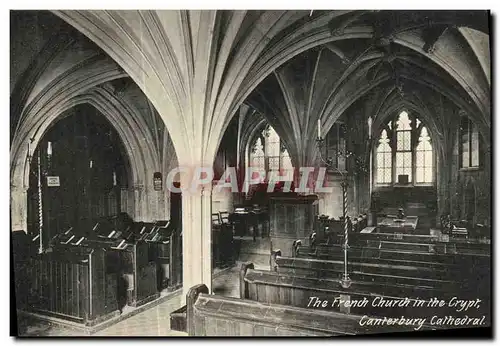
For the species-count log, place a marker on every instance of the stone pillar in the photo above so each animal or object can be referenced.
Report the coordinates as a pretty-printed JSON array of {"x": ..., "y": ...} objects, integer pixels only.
[
  {"x": 166, "y": 203},
  {"x": 126, "y": 203},
  {"x": 19, "y": 208},
  {"x": 196, "y": 238},
  {"x": 137, "y": 191}
]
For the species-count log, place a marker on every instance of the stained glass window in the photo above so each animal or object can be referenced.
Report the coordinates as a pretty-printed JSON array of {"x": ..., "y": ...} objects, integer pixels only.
[
  {"x": 384, "y": 159},
  {"x": 423, "y": 157}
]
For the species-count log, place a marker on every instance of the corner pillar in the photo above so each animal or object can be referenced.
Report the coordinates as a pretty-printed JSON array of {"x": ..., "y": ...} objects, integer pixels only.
[
  {"x": 196, "y": 238},
  {"x": 19, "y": 208}
]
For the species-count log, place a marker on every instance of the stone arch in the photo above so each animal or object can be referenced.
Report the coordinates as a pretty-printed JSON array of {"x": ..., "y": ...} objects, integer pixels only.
[{"x": 140, "y": 153}]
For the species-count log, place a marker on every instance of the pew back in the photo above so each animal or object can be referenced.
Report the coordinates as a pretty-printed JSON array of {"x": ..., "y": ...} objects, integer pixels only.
[
  {"x": 73, "y": 285},
  {"x": 213, "y": 315}
]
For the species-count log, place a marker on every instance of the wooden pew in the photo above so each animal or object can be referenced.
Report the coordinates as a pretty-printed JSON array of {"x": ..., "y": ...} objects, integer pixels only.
[
  {"x": 136, "y": 274},
  {"x": 288, "y": 289},
  {"x": 73, "y": 285},
  {"x": 402, "y": 251},
  {"x": 382, "y": 273},
  {"x": 213, "y": 315},
  {"x": 165, "y": 250}
]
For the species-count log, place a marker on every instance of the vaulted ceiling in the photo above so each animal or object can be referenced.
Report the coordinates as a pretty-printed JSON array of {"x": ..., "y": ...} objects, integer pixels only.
[{"x": 192, "y": 70}]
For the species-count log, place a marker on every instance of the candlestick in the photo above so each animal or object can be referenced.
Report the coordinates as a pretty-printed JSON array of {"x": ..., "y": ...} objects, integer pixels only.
[
  {"x": 49, "y": 148},
  {"x": 319, "y": 128}
]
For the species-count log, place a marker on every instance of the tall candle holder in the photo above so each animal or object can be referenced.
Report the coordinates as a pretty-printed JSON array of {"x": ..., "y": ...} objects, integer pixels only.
[
  {"x": 40, "y": 173},
  {"x": 345, "y": 280}
]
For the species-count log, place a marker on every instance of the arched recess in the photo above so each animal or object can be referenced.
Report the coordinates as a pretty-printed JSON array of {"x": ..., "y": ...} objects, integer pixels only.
[
  {"x": 137, "y": 142},
  {"x": 426, "y": 194}
]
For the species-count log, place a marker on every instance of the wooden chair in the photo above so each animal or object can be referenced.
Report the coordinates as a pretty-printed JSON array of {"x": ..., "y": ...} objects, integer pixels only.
[{"x": 216, "y": 221}]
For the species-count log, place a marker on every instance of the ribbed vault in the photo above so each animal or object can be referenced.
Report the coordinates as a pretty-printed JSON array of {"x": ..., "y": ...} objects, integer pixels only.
[{"x": 189, "y": 72}]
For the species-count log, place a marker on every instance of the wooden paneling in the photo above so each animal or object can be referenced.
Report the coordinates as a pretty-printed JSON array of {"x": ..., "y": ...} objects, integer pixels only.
[
  {"x": 73, "y": 285},
  {"x": 213, "y": 315},
  {"x": 291, "y": 217}
]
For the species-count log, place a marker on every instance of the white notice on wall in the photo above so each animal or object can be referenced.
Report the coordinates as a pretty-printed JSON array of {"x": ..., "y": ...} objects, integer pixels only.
[{"x": 53, "y": 181}]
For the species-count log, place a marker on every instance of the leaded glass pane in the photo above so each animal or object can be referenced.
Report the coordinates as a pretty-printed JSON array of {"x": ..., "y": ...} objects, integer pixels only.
[
  {"x": 286, "y": 162},
  {"x": 387, "y": 159},
  {"x": 272, "y": 148},
  {"x": 428, "y": 158},
  {"x": 404, "y": 140},
  {"x": 403, "y": 164},
  {"x": 420, "y": 174},
  {"x": 258, "y": 161},
  {"x": 420, "y": 159},
  {"x": 428, "y": 174},
  {"x": 274, "y": 163},
  {"x": 384, "y": 175},
  {"x": 380, "y": 160},
  {"x": 384, "y": 160}
]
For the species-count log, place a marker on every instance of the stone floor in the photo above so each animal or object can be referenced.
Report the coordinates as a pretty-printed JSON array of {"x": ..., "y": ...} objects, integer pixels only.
[{"x": 154, "y": 321}]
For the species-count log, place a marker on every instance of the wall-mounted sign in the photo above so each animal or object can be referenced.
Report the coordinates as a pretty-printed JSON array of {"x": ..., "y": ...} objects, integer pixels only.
[
  {"x": 53, "y": 181},
  {"x": 157, "y": 181}
]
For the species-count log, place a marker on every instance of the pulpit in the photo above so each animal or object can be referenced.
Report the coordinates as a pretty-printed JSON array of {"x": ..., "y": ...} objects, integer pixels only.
[{"x": 291, "y": 217}]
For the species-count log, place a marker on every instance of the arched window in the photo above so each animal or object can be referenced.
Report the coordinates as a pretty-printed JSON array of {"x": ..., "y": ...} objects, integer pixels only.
[
  {"x": 257, "y": 154},
  {"x": 403, "y": 147},
  {"x": 424, "y": 160},
  {"x": 404, "y": 153},
  {"x": 384, "y": 159},
  {"x": 269, "y": 153}
]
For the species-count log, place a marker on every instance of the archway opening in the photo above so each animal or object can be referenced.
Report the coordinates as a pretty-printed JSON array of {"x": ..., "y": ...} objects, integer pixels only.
[
  {"x": 404, "y": 169},
  {"x": 78, "y": 172}
]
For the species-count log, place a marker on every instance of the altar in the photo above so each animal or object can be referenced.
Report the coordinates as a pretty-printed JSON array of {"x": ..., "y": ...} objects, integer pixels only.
[{"x": 393, "y": 224}]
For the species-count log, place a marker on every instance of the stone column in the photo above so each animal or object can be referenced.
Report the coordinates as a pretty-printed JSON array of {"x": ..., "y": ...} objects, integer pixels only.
[
  {"x": 19, "y": 208},
  {"x": 137, "y": 191},
  {"x": 196, "y": 238}
]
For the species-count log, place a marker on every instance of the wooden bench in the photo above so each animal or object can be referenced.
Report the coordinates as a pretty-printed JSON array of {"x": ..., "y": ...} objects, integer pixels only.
[
  {"x": 382, "y": 273},
  {"x": 371, "y": 254},
  {"x": 213, "y": 315},
  {"x": 288, "y": 289},
  {"x": 434, "y": 254}
]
